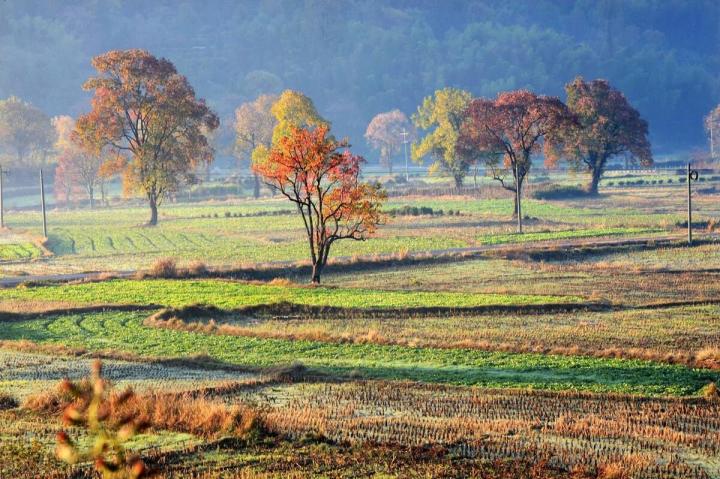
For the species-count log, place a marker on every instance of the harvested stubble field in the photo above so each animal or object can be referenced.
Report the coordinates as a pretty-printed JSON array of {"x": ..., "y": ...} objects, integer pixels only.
[{"x": 559, "y": 362}]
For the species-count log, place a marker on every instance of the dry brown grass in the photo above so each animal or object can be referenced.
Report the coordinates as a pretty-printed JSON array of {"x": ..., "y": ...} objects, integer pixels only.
[
  {"x": 164, "y": 268},
  {"x": 614, "y": 436},
  {"x": 179, "y": 412},
  {"x": 197, "y": 268}
]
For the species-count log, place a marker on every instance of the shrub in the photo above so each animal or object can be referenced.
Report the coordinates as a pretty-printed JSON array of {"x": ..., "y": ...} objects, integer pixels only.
[
  {"x": 164, "y": 268},
  {"x": 228, "y": 214},
  {"x": 557, "y": 192},
  {"x": 197, "y": 268},
  {"x": 7, "y": 402}
]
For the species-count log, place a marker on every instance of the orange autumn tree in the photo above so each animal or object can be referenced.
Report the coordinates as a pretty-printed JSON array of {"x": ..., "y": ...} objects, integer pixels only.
[
  {"x": 512, "y": 128},
  {"x": 309, "y": 169},
  {"x": 144, "y": 108}
]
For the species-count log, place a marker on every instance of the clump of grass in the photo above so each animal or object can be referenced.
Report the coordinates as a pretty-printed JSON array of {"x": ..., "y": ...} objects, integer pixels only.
[
  {"x": 710, "y": 392},
  {"x": 164, "y": 268},
  {"x": 125, "y": 412},
  {"x": 197, "y": 268}
]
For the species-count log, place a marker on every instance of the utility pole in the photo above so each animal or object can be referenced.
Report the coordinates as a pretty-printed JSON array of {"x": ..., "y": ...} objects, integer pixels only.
[
  {"x": 517, "y": 199},
  {"x": 42, "y": 203},
  {"x": 712, "y": 142},
  {"x": 404, "y": 134},
  {"x": 2, "y": 209},
  {"x": 692, "y": 175}
]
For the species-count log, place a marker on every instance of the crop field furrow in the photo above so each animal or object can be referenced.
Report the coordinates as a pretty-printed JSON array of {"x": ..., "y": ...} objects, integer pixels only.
[
  {"x": 148, "y": 241},
  {"x": 574, "y": 429}
]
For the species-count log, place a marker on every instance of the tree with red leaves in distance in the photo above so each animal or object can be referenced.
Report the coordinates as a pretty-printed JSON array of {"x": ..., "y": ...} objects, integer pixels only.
[
  {"x": 79, "y": 162},
  {"x": 385, "y": 133},
  {"x": 307, "y": 167},
  {"x": 143, "y": 107},
  {"x": 511, "y": 129},
  {"x": 607, "y": 126}
]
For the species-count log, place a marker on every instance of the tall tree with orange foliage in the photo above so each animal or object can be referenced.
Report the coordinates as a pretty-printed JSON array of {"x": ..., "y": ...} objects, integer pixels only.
[
  {"x": 308, "y": 168},
  {"x": 607, "y": 126},
  {"x": 142, "y": 106},
  {"x": 512, "y": 128}
]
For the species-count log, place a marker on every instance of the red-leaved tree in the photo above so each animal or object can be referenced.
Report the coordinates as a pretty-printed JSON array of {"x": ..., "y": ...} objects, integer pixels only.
[
  {"x": 510, "y": 129},
  {"x": 309, "y": 169},
  {"x": 607, "y": 126}
]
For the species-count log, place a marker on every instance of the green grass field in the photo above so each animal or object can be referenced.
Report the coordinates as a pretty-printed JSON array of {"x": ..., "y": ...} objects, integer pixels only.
[
  {"x": 231, "y": 294},
  {"x": 125, "y": 332}
]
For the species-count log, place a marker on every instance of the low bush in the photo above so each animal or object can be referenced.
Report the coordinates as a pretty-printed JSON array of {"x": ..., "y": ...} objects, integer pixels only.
[
  {"x": 558, "y": 192},
  {"x": 419, "y": 211},
  {"x": 164, "y": 268},
  {"x": 7, "y": 402}
]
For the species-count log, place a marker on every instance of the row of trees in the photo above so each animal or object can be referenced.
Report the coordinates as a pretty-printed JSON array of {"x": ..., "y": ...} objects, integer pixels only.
[{"x": 595, "y": 124}]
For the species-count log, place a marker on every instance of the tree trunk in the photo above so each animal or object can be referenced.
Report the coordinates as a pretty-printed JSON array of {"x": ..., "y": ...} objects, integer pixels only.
[
  {"x": 153, "y": 212},
  {"x": 256, "y": 191},
  {"x": 316, "y": 269},
  {"x": 92, "y": 197},
  {"x": 595, "y": 181},
  {"x": 458, "y": 181}
]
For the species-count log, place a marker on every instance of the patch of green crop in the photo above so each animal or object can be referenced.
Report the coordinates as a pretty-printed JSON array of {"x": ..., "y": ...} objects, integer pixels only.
[
  {"x": 124, "y": 331},
  {"x": 233, "y": 294},
  {"x": 565, "y": 234},
  {"x": 19, "y": 251}
]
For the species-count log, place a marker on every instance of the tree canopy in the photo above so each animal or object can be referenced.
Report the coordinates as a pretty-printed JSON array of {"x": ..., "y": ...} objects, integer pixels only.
[
  {"x": 384, "y": 54},
  {"x": 309, "y": 169},
  {"x": 441, "y": 116},
  {"x": 144, "y": 108},
  {"x": 386, "y": 133},
  {"x": 26, "y": 132},
  {"x": 513, "y": 127},
  {"x": 607, "y": 126}
]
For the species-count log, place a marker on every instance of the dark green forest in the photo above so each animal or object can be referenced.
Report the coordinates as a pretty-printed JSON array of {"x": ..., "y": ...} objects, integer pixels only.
[{"x": 356, "y": 58}]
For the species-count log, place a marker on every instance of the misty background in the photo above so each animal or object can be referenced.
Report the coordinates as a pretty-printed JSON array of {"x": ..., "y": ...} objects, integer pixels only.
[{"x": 356, "y": 58}]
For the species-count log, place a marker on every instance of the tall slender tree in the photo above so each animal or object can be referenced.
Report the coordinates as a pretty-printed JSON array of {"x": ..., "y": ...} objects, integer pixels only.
[
  {"x": 144, "y": 107},
  {"x": 712, "y": 126}
]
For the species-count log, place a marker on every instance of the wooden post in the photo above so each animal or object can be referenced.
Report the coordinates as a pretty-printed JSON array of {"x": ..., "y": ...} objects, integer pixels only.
[
  {"x": 42, "y": 203},
  {"x": 2, "y": 210}
]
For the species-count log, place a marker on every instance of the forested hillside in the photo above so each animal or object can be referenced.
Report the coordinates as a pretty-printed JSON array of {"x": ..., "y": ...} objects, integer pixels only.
[{"x": 357, "y": 58}]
